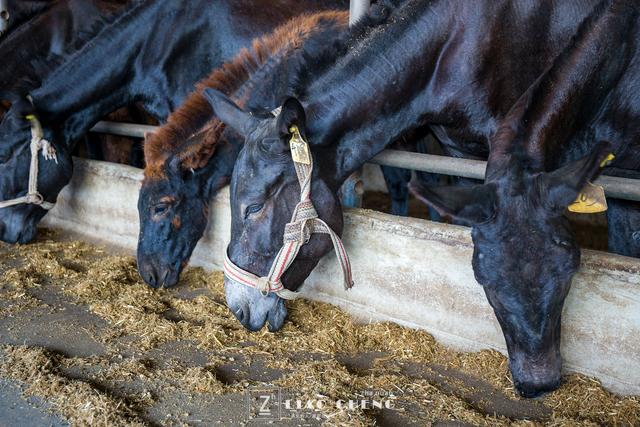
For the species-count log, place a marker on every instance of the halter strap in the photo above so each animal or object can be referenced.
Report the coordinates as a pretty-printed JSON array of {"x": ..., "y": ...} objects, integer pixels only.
[
  {"x": 304, "y": 223},
  {"x": 33, "y": 196}
]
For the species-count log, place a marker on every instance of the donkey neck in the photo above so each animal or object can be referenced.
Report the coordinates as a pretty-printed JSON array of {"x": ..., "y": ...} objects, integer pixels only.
[
  {"x": 36, "y": 46},
  {"x": 572, "y": 107},
  {"x": 151, "y": 53},
  {"x": 97, "y": 78},
  {"x": 380, "y": 88},
  {"x": 437, "y": 63}
]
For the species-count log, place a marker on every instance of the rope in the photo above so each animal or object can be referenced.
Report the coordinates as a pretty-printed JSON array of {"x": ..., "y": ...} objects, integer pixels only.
[{"x": 33, "y": 196}]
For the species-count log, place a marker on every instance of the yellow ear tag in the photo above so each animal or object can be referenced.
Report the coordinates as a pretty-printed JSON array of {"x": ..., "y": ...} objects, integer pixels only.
[
  {"x": 299, "y": 147},
  {"x": 590, "y": 200},
  {"x": 610, "y": 158},
  {"x": 30, "y": 117}
]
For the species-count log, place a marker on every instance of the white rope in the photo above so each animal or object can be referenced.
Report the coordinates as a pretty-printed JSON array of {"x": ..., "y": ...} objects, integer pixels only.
[
  {"x": 304, "y": 223},
  {"x": 33, "y": 196}
]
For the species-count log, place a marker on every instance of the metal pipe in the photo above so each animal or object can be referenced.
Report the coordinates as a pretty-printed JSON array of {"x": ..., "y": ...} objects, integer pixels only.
[
  {"x": 357, "y": 9},
  {"x": 353, "y": 188},
  {"x": 430, "y": 163},
  {"x": 618, "y": 188},
  {"x": 123, "y": 129},
  {"x": 615, "y": 187}
]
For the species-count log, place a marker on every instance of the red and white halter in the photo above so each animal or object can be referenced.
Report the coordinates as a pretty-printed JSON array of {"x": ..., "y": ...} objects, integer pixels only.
[{"x": 304, "y": 223}]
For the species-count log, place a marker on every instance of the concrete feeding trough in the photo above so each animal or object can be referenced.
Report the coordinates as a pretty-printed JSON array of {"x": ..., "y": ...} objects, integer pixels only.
[{"x": 409, "y": 271}]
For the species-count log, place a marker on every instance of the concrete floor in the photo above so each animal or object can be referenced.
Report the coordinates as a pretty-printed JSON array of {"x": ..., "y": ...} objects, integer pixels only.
[{"x": 15, "y": 410}]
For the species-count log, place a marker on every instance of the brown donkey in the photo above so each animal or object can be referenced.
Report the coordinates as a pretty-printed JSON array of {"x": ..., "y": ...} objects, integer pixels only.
[{"x": 186, "y": 161}]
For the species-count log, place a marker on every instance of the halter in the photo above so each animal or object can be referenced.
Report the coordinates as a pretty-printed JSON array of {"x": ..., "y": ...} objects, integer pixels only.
[
  {"x": 4, "y": 16},
  {"x": 304, "y": 223},
  {"x": 33, "y": 197}
]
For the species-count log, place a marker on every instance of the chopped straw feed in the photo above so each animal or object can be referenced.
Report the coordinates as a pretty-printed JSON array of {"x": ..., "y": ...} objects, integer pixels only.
[{"x": 320, "y": 354}]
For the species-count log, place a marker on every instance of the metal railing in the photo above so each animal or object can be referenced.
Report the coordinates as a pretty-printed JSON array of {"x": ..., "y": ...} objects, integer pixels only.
[{"x": 617, "y": 188}]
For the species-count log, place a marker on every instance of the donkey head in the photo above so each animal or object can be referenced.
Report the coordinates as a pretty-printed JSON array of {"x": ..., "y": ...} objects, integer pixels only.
[
  {"x": 524, "y": 255},
  {"x": 264, "y": 193},
  {"x": 18, "y": 223},
  {"x": 173, "y": 209}
]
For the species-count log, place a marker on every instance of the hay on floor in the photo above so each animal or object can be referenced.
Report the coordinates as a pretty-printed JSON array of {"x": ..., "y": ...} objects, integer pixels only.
[{"x": 309, "y": 350}]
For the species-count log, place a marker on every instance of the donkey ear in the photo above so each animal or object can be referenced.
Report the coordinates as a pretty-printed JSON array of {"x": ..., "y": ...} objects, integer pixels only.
[
  {"x": 174, "y": 169},
  {"x": 292, "y": 114},
  {"x": 563, "y": 185},
  {"x": 229, "y": 113},
  {"x": 471, "y": 205}
]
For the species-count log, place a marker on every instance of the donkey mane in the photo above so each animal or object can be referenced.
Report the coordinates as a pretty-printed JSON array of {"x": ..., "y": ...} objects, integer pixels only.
[
  {"x": 194, "y": 116},
  {"x": 315, "y": 61}
]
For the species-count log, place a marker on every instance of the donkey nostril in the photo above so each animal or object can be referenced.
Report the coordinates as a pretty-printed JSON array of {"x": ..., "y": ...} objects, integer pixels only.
[
  {"x": 239, "y": 313},
  {"x": 532, "y": 391},
  {"x": 151, "y": 279},
  {"x": 163, "y": 279}
]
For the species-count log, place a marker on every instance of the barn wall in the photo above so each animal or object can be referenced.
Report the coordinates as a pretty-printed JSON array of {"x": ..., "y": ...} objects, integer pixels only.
[{"x": 413, "y": 272}]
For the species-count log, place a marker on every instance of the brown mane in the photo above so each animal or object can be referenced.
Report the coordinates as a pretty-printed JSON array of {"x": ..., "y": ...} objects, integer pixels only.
[{"x": 195, "y": 114}]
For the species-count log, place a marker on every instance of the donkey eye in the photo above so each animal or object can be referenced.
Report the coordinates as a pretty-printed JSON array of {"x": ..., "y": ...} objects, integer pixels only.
[
  {"x": 251, "y": 209},
  {"x": 559, "y": 242},
  {"x": 160, "y": 209}
]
